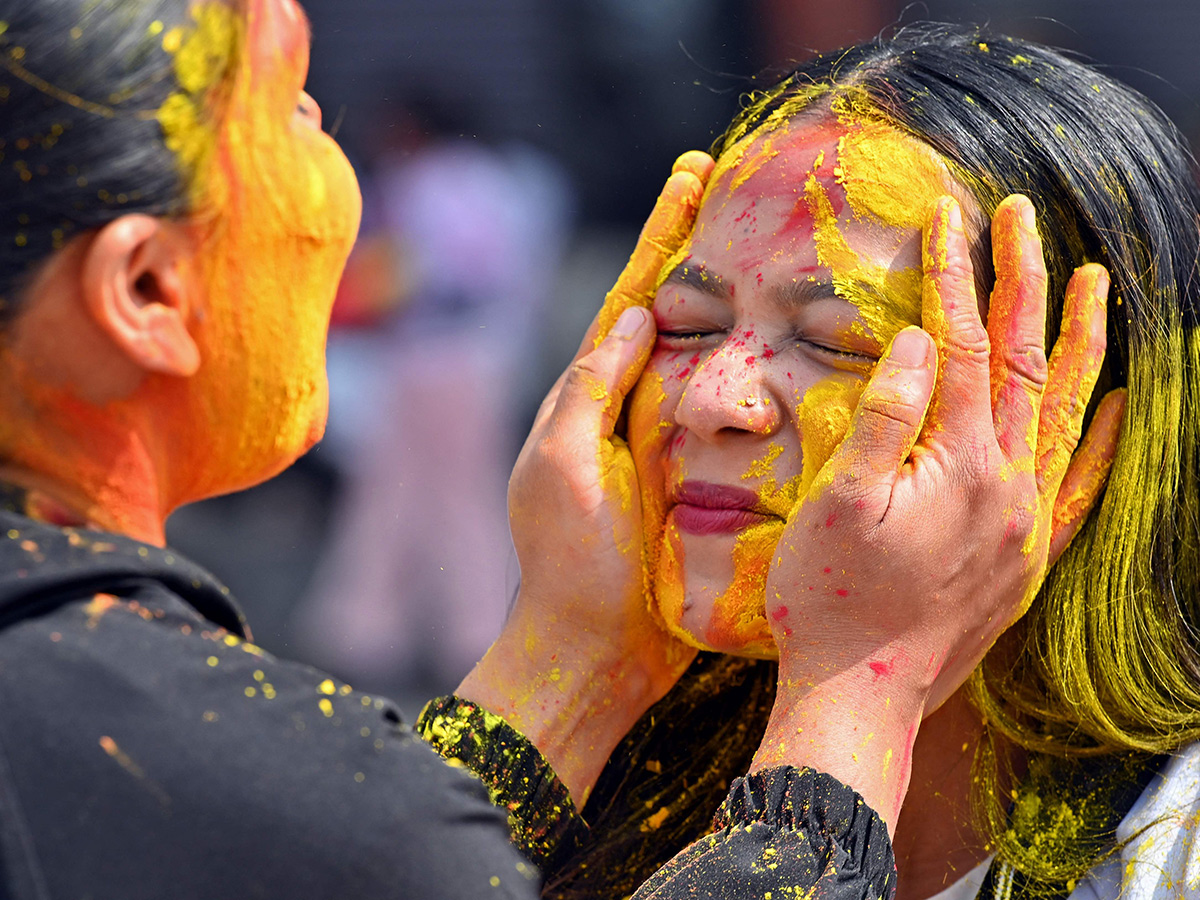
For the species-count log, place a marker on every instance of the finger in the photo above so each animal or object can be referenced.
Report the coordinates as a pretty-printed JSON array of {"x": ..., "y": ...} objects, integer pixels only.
[
  {"x": 697, "y": 162},
  {"x": 595, "y": 385},
  {"x": 1075, "y": 364},
  {"x": 1017, "y": 329},
  {"x": 662, "y": 236},
  {"x": 1087, "y": 473},
  {"x": 950, "y": 313},
  {"x": 889, "y": 416}
]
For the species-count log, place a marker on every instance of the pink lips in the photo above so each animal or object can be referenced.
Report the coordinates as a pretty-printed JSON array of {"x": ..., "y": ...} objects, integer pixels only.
[{"x": 704, "y": 508}]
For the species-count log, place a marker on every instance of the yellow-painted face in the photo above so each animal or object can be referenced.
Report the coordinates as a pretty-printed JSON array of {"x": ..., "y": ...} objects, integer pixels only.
[
  {"x": 277, "y": 206},
  {"x": 803, "y": 264}
]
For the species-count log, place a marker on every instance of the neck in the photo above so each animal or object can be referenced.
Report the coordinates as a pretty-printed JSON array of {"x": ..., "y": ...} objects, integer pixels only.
[
  {"x": 935, "y": 839},
  {"x": 86, "y": 465}
]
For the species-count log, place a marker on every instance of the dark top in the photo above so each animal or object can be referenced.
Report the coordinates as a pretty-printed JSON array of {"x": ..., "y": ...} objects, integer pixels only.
[{"x": 147, "y": 749}]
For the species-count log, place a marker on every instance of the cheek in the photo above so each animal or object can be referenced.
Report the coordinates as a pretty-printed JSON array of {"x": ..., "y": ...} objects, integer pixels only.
[
  {"x": 823, "y": 415},
  {"x": 652, "y": 411}
]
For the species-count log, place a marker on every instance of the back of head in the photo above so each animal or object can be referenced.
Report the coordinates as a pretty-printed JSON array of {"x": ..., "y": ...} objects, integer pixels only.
[{"x": 82, "y": 84}]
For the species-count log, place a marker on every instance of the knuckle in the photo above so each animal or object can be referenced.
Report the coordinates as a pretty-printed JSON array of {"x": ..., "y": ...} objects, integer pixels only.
[
  {"x": 893, "y": 407},
  {"x": 1029, "y": 364}
]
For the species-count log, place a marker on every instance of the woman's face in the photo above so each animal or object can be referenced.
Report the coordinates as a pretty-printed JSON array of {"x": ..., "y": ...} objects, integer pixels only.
[
  {"x": 804, "y": 263},
  {"x": 278, "y": 206}
]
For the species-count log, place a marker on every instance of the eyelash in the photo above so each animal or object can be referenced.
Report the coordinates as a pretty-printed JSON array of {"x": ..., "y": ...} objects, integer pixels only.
[{"x": 689, "y": 337}]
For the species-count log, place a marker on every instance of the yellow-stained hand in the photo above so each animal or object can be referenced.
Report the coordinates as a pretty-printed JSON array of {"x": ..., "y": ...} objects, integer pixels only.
[
  {"x": 930, "y": 529},
  {"x": 580, "y": 658}
]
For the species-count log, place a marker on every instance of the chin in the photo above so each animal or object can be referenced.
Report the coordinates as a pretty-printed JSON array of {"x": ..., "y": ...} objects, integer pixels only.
[{"x": 722, "y": 615}]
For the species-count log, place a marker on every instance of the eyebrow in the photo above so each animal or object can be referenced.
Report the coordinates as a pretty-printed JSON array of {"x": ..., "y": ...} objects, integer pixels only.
[
  {"x": 788, "y": 296},
  {"x": 698, "y": 277}
]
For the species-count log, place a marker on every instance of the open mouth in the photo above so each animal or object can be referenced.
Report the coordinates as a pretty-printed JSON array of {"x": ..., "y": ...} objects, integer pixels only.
[{"x": 705, "y": 508}]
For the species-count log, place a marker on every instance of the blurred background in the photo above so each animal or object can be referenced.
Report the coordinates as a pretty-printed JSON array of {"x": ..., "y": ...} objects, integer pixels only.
[{"x": 508, "y": 151}]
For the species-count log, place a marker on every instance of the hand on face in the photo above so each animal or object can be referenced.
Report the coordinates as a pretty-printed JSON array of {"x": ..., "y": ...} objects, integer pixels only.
[
  {"x": 580, "y": 650},
  {"x": 930, "y": 529}
]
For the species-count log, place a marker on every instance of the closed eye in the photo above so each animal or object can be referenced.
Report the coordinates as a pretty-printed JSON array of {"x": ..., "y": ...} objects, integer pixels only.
[
  {"x": 836, "y": 352},
  {"x": 678, "y": 339}
]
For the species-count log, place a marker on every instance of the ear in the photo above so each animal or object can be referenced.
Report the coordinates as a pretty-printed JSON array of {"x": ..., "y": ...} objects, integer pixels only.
[{"x": 134, "y": 288}]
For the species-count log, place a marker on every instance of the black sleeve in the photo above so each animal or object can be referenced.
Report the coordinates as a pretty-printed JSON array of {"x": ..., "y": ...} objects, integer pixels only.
[
  {"x": 784, "y": 832},
  {"x": 542, "y": 818}
]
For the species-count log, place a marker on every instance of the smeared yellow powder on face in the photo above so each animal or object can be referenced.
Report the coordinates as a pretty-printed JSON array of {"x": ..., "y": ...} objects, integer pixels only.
[
  {"x": 761, "y": 468},
  {"x": 890, "y": 176},
  {"x": 824, "y": 414},
  {"x": 739, "y": 615},
  {"x": 833, "y": 250}
]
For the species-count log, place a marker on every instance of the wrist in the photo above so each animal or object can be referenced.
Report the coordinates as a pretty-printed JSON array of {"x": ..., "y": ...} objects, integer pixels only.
[
  {"x": 854, "y": 726},
  {"x": 574, "y": 704}
]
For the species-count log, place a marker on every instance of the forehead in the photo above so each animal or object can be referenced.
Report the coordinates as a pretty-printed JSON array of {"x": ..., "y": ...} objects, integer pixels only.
[{"x": 867, "y": 170}]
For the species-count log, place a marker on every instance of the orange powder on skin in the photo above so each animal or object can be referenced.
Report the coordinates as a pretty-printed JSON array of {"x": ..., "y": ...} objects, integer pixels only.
[{"x": 278, "y": 208}]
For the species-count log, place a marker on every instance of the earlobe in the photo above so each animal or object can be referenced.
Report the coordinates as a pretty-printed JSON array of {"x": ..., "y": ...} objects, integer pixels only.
[{"x": 134, "y": 290}]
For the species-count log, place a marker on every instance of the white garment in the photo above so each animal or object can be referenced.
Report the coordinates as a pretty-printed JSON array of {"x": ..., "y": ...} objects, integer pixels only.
[{"x": 1162, "y": 862}]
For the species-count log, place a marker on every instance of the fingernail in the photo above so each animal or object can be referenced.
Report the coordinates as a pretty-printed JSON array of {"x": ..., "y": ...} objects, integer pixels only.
[
  {"x": 910, "y": 347},
  {"x": 629, "y": 323},
  {"x": 1029, "y": 217}
]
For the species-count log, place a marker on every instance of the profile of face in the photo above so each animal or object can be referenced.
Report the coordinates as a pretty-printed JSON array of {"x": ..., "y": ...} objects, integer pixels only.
[
  {"x": 278, "y": 206},
  {"x": 804, "y": 262}
]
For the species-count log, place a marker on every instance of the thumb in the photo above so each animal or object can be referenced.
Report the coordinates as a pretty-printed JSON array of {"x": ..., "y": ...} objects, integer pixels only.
[
  {"x": 890, "y": 412},
  {"x": 596, "y": 384}
]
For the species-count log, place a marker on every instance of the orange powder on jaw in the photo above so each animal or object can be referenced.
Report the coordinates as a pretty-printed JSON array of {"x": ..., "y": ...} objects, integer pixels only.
[{"x": 277, "y": 207}]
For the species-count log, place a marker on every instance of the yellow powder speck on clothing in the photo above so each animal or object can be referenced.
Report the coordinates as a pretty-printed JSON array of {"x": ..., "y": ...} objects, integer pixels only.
[
  {"x": 655, "y": 821},
  {"x": 494, "y": 881},
  {"x": 259, "y": 675},
  {"x": 326, "y": 707},
  {"x": 212, "y": 661},
  {"x": 155, "y": 29},
  {"x": 231, "y": 640},
  {"x": 327, "y": 687},
  {"x": 251, "y": 692},
  {"x": 360, "y": 777}
]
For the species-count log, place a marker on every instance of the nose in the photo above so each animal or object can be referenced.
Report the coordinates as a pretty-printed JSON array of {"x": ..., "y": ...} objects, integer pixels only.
[{"x": 730, "y": 393}]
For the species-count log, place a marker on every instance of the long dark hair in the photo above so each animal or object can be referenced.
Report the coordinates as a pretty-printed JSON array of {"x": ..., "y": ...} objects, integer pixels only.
[
  {"x": 81, "y": 84},
  {"x": 1108, "y": 661}
]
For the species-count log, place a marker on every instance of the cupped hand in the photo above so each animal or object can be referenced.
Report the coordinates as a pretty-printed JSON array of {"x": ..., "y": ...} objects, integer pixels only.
[
  {"x": 930, "y": 529},
  {"x": 580, "y": 658}
]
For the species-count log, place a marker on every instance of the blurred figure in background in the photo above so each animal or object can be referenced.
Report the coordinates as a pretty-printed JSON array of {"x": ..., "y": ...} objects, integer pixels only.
[{"x": 429, "y": 377}]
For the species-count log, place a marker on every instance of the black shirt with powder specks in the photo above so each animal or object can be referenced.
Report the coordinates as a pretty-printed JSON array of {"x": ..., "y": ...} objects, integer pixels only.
[{"x": 147, "y": 749}]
